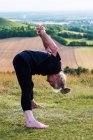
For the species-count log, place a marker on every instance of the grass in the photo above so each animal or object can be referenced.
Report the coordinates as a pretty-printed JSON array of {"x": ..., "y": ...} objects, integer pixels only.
[{"x": 69, "y": 117}]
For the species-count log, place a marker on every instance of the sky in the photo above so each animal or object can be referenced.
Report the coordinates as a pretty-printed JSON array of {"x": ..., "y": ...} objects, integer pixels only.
[{"x": 45, "y": 5}]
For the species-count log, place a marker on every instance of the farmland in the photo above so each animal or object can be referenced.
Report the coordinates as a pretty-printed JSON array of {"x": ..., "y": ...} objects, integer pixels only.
[
  {"x": 84, "y": 57},
  {"x": 25, "y": 38},
  {"x": 10, "y": 47},
  {"x": 71, "y": 56}
]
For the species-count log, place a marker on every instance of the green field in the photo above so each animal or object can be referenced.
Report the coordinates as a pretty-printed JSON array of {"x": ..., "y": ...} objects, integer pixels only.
[
  {"x": 89, "y": 42},
  {"x": 69, "y": 117},
  {"x": 73, "y": 32}
]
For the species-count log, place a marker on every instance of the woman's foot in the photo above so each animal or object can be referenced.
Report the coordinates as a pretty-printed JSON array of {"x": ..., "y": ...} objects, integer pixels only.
[
  {"x": 31, "y": 122},
  {"x": 36, "y": 124},
  {"x": 65, "y": 90},
  {"x": 35, "y": 105}
]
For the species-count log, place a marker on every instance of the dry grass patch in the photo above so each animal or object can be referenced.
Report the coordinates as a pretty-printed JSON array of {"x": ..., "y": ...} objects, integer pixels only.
[{"x": 84, "y": 57}]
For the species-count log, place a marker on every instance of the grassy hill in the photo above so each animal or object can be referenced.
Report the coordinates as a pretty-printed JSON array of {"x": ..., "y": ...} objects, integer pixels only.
[
  {"x": 69, "y": 117},
  {"x": 6, "y": 22}
]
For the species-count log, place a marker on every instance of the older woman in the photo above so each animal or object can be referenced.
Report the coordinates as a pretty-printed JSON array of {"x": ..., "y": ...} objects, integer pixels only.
[{"x": 28, "y": 63}]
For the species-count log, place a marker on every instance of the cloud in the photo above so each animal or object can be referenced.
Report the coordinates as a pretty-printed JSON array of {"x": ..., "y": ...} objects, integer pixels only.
[{"x": 38, "y": 5}]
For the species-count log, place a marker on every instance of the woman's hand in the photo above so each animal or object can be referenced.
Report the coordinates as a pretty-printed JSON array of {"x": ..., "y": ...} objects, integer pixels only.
[{"x": 41, "y": 30}]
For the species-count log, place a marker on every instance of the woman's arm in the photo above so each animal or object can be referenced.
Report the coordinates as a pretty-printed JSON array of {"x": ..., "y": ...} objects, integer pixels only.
[{"x": 48, "y": 42}]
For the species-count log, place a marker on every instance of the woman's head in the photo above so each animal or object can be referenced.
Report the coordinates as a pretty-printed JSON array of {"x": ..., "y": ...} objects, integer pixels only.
[{"x": 58, "y": 81}]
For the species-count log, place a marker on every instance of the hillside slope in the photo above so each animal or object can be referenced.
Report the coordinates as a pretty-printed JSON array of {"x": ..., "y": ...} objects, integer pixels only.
[{"x": 5, "y": 22}]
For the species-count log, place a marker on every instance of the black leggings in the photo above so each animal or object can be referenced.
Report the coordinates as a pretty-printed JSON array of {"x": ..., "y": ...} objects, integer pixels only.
[{"x": 23, "y": 73}]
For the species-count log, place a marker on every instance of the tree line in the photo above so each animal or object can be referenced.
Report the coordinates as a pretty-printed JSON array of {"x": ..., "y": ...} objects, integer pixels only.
[
  {"x": 7, "y": 32},
  {"x": 56, "y": 32}
]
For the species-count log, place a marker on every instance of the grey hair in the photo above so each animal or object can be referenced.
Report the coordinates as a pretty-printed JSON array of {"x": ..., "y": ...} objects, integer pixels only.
[{"x": 60, "y": 84}]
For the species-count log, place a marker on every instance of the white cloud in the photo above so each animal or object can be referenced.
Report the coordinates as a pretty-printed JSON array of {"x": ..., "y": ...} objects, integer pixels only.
[{"x": 36, "y": 5}]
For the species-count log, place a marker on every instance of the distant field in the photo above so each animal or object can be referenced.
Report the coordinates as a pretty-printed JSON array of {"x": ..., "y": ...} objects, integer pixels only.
[
  {"x": 71, "y": 56},
  {"x": 85, "y": 40},
  {"x": 84, "y": 57},
  {"x": 68, "y": 57},
  {"x": 73, "y": 32},
  {"x": 10, "y": 47}
]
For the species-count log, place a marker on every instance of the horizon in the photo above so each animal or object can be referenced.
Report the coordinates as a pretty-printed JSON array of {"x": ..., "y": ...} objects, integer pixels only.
[
  {"x": 48, "y": 11},
  {"x": 46, "y": 15}
]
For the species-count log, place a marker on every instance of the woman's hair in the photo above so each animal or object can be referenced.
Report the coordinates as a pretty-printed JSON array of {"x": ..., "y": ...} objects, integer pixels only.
[
  {"x": 60, "y": 84},
  {"x": 62, "y": 81}
]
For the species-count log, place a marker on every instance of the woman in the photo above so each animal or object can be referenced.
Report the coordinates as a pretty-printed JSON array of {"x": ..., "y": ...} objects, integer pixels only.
[{"x": 28, "y": 63}]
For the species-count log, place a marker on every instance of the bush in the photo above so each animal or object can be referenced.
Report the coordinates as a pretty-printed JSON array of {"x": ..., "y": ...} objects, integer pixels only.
[
  {"x": 77, "y": 71},
  {"x": 92, "y": 71},
  {"x": 80, "y": 70},
  {"x": 8, "y": 32},
  {"x": 60, "y": 39},
  {"x": 70, "y": 35},
  {"x": 69, "y": 70},
  {"x": 77, "y": 43}
]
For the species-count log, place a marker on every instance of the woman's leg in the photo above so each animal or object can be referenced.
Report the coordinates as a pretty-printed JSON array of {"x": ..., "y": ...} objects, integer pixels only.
[{"x": 25, "y": 81}]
